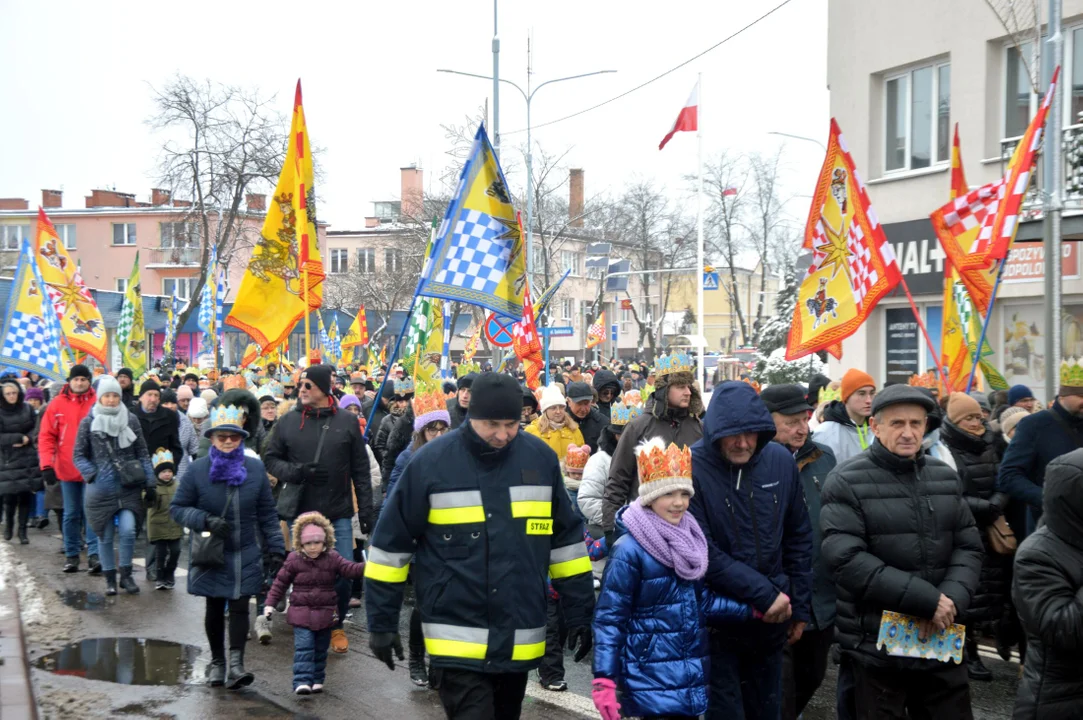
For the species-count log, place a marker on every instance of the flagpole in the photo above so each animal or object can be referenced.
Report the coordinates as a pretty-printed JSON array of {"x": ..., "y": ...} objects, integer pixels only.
[
  {"x": 390, "y": 363},
  {"x": 985, "y": 325},
  {"x": 700, "y": 263},
  {"x": 924, "y": 332},
  {"x": 308, "y": 311}
]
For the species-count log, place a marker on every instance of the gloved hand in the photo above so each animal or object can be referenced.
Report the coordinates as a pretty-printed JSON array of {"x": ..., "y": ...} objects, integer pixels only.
[
  {"x": 268, "y": 611},
  {"x": 149, "y": 496},
  {"x": 364, "y": 520},
  {"x": 314, "y": 473},
  {"x": 582, "y": 637},
  {"x": 218, "y": 526},
  {"x": 274, "y": 564},
  {"x": 604, "y": 694},
  {"x": 610, "y": 538},
  {"x": 382, "y": 644},
  {"x": 50, "y": 476}
]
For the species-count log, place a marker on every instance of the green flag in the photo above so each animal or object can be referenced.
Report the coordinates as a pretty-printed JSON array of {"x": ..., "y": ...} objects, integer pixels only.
[{"x": 131, "y": 334}]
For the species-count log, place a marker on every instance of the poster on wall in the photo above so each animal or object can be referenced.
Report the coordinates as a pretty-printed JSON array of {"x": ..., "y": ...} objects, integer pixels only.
[{"x": 903, "y": 345}]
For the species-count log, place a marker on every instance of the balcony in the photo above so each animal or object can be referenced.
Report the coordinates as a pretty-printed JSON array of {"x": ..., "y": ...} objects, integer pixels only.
[
  {"x": 174, "y": 257},
  {"x": 1072, "y": 153}
]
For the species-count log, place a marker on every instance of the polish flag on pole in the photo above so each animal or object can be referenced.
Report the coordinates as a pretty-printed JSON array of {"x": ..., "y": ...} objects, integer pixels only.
[{"x": 688, "y": 119}]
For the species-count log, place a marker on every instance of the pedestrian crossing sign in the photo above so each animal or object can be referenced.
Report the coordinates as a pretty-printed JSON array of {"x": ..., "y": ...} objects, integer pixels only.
[{"x": 710, "y": 281}]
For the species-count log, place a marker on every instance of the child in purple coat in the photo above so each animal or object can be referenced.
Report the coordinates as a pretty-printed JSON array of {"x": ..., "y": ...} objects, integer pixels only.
[{"x": 312, "y": 569}]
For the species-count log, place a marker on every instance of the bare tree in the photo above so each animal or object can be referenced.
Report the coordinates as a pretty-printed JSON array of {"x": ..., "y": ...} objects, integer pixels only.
[
  {"x": 768, "y": 222},
  {"x": 222, "y": 143},
  {"x": 726, "y": 184}
]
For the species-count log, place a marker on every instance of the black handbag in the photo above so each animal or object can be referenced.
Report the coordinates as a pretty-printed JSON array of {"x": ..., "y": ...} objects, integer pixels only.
[
  {"x": 208, "y": 551},
  {"x": 288, "y": 504},
  {"x": 130, "y": 473}
]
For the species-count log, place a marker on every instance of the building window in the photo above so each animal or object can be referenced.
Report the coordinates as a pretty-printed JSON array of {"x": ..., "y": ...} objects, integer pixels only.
[
  {"x": 387, "y": 211},
  {"x": 392, "y": 260},
  {"x": 567, "y": 308},
  {"x": 538, "y": 253},
  {"x": 366, "y": 260},
  {"x": 124, "y": 233},
  {"x": 917, "y": 111},
  {"x": 176, "y": 234},
  {"x": 13, "y": 235},
  {"x": 339, "y": 260},
  {"x": 625, "y": 318},
  {"x": 179, "y": 287},
  {"x": 122, "y": 285},
  {"x": 569, "y": 260},
  {"x": 1020, "y": 100},
  {"x": 1075, "y": 102},
  {"x": 67, "y": 235}
]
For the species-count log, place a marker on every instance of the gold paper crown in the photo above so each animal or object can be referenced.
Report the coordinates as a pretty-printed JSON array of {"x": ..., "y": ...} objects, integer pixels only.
[
  {"x": 428, "y": 401},
  {"x": 160, "y": 456},
  {"x": 632, "y": 397},
  {"x": 227, "y": 415},
  {"x": 621, "y": 413},
  {"x": 829, "y": 395},
  {"x": 465, "y": 368},
  {"x": 928, "y": 380},
  {"x": 577, "y": 456},
  {"x": 1071, "y": 373},
  {"x": 677, "y": 362},
  {"x": 755, "y": 385},
  {"x": 656, "y": 462}
]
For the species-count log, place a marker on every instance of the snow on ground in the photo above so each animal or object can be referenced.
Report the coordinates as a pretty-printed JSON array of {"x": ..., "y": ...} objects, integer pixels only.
[{"x": 45, "y": 619}]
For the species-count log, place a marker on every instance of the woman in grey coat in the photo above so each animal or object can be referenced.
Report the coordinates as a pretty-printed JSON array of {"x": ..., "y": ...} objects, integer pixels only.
[{"x": 108, "y": 437}]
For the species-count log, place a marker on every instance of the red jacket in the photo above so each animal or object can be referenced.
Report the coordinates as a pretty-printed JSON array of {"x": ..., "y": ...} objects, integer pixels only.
[{"x": 59, "y": 426}]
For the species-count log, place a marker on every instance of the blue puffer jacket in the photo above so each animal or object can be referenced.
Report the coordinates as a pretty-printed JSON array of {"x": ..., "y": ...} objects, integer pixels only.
[
  {"x": 251, "y": 511},
  {"x": 400, "y": 465},
  {"x": 650, "y": 632},
  {"x": 754, "y": 516}
]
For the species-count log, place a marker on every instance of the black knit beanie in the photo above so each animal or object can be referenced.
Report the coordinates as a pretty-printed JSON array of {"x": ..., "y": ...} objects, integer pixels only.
[
  {"x": 466, "y": 381},
  {"x": 149, "y": 385},
  {"x": 79, "y": 371},
  {"x": 320, "y": 376},
  {"x": 126, "y": 371},
  {"x": 169, "y": 395},
  {"x": 495, "y": 396}
]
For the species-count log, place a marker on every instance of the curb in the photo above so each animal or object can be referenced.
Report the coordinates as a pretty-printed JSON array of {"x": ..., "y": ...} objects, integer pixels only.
[{"x": 16, "y": 689}]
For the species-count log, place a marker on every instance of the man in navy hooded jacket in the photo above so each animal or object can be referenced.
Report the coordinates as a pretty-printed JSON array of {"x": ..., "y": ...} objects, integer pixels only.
[{"x": 749, "y": 504}]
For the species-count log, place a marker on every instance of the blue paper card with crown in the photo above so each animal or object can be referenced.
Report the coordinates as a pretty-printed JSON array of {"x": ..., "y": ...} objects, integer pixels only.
[
  {"x": 899, "y": 637},
  {"x": 677, "y": 362}
]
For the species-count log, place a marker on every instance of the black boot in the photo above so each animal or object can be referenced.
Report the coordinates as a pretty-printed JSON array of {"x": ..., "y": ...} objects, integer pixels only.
[
  {"x": 71, "y": 564},
  {"x": 9, "y": 517},
  {"x": 24, "y": 520},
  {"x": 238, "y": 678},
  {"x": 126, "y": 580},
  {"x": 216, "y": 672},
  {"x": 93, "y": 565},
  {"x": 110, "y": 582},
  {"x": 23, "y": 539},
  {"x": 975, "y": 668},
  {"x": 418, "y": 674}
]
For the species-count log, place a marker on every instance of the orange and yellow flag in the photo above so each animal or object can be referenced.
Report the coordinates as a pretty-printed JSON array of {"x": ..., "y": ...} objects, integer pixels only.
[
  {"x": 80, "y": 320},
  {"x": 596, "y": 333},
  {"x": 273, "y": 295},
  {"x": 853, "y": 266},
  {"x": 358, "y": 334}
]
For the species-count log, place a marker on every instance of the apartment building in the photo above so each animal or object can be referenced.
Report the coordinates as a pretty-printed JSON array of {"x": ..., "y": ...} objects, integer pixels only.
[{"x": 897, "y": 95}]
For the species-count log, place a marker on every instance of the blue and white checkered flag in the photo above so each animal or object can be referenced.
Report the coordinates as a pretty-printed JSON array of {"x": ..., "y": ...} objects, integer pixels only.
[
  {"x": 31, "y": 332},
  {"x": 219, "y": 303}
]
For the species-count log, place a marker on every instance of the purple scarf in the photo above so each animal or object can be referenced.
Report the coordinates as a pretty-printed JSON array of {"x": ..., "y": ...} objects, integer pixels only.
[
  {"x": 228, "y": 467},
  {"x": 681, "y": 547}
]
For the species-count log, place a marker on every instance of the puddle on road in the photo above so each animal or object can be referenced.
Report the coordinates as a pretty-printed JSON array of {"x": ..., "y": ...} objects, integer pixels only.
[
  {"x": 127, "y": 661},
  {"x": 83, "y": 600}
]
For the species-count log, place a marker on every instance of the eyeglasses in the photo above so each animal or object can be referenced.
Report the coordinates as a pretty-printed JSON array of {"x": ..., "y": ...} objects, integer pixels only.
[
  {"x": 228, "y": 437},
  {"x": 307, "y": 385}
]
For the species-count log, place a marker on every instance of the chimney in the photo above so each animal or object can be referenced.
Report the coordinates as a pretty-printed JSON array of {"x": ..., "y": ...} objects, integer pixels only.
[
  {"x": 14, "y": 204},
  {"x": 52, "y": 198},
  {"x": 412, "y": 191},
  {"x": 575, "y": 197},
  {"x": 256, "y": 202},
  {"x": 160, "y": 197},
  {"x": 110, "y": 198}
]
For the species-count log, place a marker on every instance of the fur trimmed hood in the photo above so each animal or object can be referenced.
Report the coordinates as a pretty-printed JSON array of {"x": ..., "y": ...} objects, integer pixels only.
[
  {"x": 657, "y": 404},
  {"x": 312, "y": 518}
]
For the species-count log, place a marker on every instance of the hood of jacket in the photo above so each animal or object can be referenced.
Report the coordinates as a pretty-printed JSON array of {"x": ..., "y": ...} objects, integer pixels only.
[
  {"x": 960, "y": 440},
  {"x": 836, "y": 412},
  {"x": 736, "y": 408},
  {"x": 240, "y": 396},
  {"x": 313, "y": 518},
  {"x": 604, "y": 378},
  {"x": 1062, "y": 498},
  {"x": 17, "y": 406}
]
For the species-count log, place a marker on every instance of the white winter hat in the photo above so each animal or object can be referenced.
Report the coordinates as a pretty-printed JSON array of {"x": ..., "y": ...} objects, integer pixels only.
[
  {"x": 551, "y": 397},
  {"x": 198, "y": 408}
]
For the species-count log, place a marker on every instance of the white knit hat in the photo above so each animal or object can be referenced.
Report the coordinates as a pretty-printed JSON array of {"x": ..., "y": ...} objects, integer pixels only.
[
  {"x": 198, "y": 408},
  {"x": 551, "y": 397}
]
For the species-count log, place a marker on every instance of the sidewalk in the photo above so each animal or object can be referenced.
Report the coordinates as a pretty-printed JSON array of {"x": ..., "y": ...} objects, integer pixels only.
[{"x": 16, "y": 692}]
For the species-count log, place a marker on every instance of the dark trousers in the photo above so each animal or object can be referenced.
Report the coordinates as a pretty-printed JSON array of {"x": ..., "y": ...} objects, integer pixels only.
[
  {"x": 358, "y": 583},
  {"x": 893, "y": 694},
  {"x": 803, "y": 667},
  {"x": 745, "y": 685},
  {"x": 21, "y": 502},
  {"x": 845, "y": 703},
  {"x": 167, "y": 554},
  {"x": 556, "y": 634},
  {"x": 214, "y": 622},
  {"x": 310, "y": 656},
  {"x": 472, "y": 695}
]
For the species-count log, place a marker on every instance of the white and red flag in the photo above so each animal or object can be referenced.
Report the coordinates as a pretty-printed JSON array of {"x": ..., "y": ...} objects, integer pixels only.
[{"x": 687, "y": 119}]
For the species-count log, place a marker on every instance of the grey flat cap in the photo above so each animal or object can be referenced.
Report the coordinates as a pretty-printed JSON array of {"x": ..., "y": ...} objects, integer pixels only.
[{"x": 902, "y": 395}]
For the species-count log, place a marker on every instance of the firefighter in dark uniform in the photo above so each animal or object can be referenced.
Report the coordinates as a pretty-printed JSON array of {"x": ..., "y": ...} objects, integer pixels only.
[{"x": 483, "y": 514}]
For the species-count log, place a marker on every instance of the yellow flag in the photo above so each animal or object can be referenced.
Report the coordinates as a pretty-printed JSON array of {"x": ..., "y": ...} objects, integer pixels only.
[
  {"x": 358, "y": 334},
  {"x": 272, "y": 296},
  {"x": 80, "y": 320},
  {"x": 131, "y": 333}
]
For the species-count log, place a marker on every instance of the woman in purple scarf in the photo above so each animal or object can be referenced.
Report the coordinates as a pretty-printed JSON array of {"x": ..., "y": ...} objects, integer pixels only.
[
  {"x": 227, "y": 494},
  {"x": 650, "y": 624}
]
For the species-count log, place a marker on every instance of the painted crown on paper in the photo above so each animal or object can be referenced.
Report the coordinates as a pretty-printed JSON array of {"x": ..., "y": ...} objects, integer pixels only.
[
  {"x": 577, "y": 456},
  {"x": 404, "y": 386},
  {"x": 428, "y": 401},
  {"x": 677, "y": 362},
  {"x": 632, "y": 397},
  {"x": 227, "y": 415},
  {"x": 657, "y": 462},
  {"x": 1071, "y": 373},
  {"x": 829, "y": 395},
  {"x": 622, "y": 413},
  {"x": 466, "y": 368},
  {"x": 161, "y": 455}
]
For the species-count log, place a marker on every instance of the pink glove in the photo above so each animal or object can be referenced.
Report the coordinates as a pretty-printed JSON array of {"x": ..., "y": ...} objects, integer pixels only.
[{"x": 604, "y": 694}]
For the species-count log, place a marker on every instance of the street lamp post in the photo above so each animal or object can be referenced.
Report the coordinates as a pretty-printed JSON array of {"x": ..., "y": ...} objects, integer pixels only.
[
  {"x": 798, "y": 137},
  {"x": 528, "y": 96}
]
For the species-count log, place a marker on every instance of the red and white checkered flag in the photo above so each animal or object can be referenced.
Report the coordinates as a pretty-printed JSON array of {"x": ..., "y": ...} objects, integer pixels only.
[
  {"x": 596, "y": 333},
  {"x": 527, "y": 344}
]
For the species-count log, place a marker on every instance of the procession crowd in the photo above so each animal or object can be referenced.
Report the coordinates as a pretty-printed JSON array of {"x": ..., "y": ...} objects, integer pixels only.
[{"x": 711, "y": 560}]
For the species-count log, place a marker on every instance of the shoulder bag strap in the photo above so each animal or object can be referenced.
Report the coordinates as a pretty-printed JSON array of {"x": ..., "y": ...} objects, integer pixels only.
[{"x": 319, "y": 445}]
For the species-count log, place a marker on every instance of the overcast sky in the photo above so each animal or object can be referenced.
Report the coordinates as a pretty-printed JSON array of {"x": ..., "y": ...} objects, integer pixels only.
[{"x": 78, "y": 75}]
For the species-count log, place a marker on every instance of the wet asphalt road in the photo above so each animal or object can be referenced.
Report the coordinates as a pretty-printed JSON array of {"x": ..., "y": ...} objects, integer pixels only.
[{"x": 358, "y": 686}]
